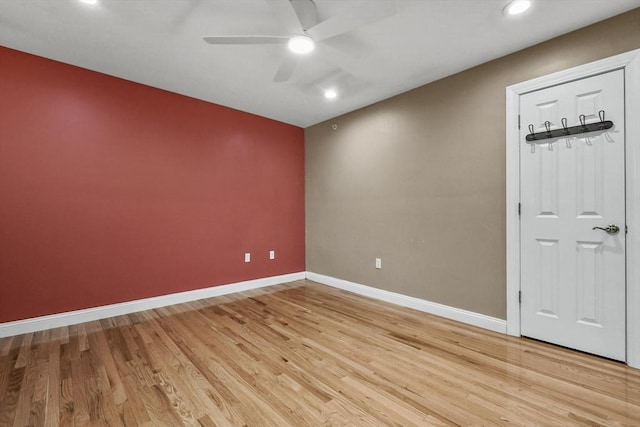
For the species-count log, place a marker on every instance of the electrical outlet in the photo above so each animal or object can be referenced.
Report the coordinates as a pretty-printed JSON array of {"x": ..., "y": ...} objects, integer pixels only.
[
  {"x": 378, "y": 263},
  {"x": 247, "y": 257},
  {"x": 272, "y": 254}
]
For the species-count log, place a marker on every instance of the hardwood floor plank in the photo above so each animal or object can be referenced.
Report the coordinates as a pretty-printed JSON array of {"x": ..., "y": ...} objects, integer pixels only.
[
  {"x": 36, "y": 414},
  {"x": 9, "y": 402},
  {"x": 302, "y": 354},
  {"x": 7, "y": 344},
  {"x": 23, "y": 405},
  {"x": 158, "y": 406},
  {"x": 53, "y": 389},
  {"x": 7, "y": 363},
  {"x": 80, "y": 382},
  {"x": 25, "y": 351},
  {"x": 101, "y": 349},
  {"x": 134, "y": 412},
  {"x": 66, "y": 409}
]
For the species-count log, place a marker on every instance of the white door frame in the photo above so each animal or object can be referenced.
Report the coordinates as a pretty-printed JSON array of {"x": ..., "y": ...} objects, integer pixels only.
[{"x": 630, "y": 63}]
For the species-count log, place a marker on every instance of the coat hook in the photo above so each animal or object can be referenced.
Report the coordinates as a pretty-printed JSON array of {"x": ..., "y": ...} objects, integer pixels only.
[
  {"x": 566, "y": 131},
  {"x": 601, "y": 116},
  {"x": 531, "y": 131},
  {"x": 583, "y": 122},
  {"x": 547, "y": 126}
]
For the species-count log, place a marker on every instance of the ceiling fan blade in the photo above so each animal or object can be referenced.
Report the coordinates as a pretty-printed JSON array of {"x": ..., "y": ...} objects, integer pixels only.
[
  {"x": 284, "y": 11},
  {"x": 246, "y": 39},
  {"x": 351, "y": 19},
  {"x": 307, "y": 12},
  {"x": 288, "y": 66}
]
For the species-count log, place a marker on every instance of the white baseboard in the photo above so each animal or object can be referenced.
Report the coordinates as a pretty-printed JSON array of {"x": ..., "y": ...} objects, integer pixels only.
[
  {"x": 34, "y": 324},
  {"x": 86, "y": 315},
  {"x": 458, "y": 314}
]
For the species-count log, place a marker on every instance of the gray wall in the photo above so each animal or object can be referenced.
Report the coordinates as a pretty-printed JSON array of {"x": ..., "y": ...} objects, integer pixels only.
[{"x": 419, "y": 179}]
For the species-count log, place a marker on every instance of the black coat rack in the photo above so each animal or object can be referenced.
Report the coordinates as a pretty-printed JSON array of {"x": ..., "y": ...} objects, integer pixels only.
[{"x": 573, "y": 130}]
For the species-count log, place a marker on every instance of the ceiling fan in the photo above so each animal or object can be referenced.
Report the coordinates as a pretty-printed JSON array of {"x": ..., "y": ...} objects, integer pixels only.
[{"x": 302, "y": 23}]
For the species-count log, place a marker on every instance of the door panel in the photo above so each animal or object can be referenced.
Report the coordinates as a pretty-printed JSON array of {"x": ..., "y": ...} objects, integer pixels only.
[
  {"x": 547, "y": 183},
  {"x": 590, "y": 182},
  {"x": 548, "y": 278},
  {"x": 573, "y": 277},
  {"x": 590, "y": 310}
]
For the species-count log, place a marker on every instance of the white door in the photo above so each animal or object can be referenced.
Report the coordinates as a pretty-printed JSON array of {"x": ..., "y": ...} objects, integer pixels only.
[{"x": 573, "y": 276}]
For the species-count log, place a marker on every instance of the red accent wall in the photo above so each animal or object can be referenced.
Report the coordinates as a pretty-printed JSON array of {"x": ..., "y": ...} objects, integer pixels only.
[{"x": 112, "y": 191}]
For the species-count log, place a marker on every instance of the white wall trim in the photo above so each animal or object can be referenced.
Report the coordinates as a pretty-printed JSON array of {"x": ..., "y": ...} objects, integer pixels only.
[
  {"x": 460, "y": 315},
  {"x": 86, "y": 315},
  {"x": 630, "y": 63}
]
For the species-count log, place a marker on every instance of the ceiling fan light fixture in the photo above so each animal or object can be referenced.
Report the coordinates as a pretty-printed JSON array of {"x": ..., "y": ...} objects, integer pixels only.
[
  {"x": 301, "y": 44},
  {"x": 516, "y": 7}
]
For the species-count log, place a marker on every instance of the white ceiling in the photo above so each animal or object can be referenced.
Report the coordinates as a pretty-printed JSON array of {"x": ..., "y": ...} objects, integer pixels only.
[{"x": 159, "y": 43}]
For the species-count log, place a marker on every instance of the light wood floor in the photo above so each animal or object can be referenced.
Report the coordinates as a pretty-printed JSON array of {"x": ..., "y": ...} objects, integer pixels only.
[{"x": 303, "y": 354}]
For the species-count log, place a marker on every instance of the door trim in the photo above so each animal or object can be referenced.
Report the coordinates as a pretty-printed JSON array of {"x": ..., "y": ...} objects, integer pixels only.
[{"x": 630, "y": 63}]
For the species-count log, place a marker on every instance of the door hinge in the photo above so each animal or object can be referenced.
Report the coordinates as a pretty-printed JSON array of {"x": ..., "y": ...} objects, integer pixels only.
[
  {"x": 520, "y": 297},
  {"x": 626, "y": 229},
  {"x": 519, "y": 209},
  {"x": 518, "y": 121}
]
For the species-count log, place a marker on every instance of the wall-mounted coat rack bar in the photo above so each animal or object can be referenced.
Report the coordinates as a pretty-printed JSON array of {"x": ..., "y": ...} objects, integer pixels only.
[{"x": 583, "y": 127}]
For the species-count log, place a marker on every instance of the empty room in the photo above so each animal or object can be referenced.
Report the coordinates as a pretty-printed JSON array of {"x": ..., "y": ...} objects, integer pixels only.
[{"x": 319, "y": 213}]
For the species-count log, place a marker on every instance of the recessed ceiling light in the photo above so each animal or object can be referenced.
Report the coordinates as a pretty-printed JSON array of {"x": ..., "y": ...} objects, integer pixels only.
[
  {"x": 517, "y": 7},
  {"x": 301, "y": 44},
  {"x": 89, "y": 1},
  {"x": 330, "y": 94}
]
